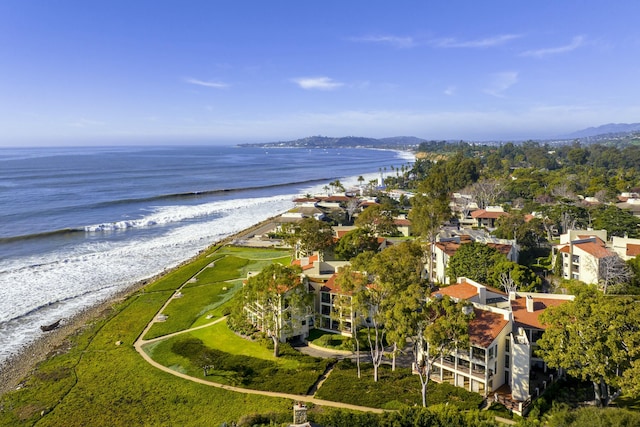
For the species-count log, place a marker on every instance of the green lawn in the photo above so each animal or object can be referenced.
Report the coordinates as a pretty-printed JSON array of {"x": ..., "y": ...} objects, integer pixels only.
[
  {"x": 237, "y": 361},
  {"x": 221, "y": 338},
  {"x": 99, "y": 383},
  {"x": 209, "y": 283},
  {"x": 193, "y": 307},
  {"x": 226, "y": 268}
]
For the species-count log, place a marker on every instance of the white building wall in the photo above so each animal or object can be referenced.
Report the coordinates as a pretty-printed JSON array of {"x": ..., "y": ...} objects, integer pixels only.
[
  {"x": 520, "y": 365},
  {"x": 619, "y": 246},
  {"x": 589, "y": 266},
  {"x": 440, "y": 266}
]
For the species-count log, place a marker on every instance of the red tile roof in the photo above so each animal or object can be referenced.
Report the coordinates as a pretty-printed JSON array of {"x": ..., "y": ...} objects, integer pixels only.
[
  {"x": 332, "y": 287},
  {"x": 448, "y": 248},
  {"x": 341, "y": 233},
  {"x": 337, "y": 199},
  {"x": 461, "y": 291},
  {"x": 589, "y": 236},
  {"x": 502, "y": 248},
  {"x": 530, "y": 319},
  {"x": 594, "y": 249},
  {"x": 308, "y": 262},
  {"x": 633, "y": 250},
  {"x": 481, "y": 213},
  {"x": 402, "y": 222},
  {"x": 485, "y": 327}
]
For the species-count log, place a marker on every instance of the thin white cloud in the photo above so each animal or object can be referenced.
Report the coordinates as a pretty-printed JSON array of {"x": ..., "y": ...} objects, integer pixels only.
[
  {"x": 576, "y": 42},
  {"x": 396, "y": 41},
  {"x": 500, "y": 82},
  {"x": 317, "y": 83},
  {"x": 211, "y": 84},
  {"x": 480, "y": 43},
  {"x": 450, "y": 91}
]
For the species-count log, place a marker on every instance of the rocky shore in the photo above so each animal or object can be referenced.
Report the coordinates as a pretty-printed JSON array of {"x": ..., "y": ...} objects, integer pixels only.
[{"x": 18, "y": 367}]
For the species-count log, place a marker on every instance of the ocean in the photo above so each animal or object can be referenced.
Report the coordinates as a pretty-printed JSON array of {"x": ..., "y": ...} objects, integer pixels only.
[{"x": 79, "y": 224}]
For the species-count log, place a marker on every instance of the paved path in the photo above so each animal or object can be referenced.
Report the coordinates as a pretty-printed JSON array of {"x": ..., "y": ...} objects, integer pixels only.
[
  {"x": 312, "y": 351},
  {"x": 298, "y": 398}
]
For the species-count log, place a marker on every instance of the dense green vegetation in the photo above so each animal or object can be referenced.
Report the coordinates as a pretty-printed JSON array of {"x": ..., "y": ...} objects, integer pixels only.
[
  {"x": 434, "y": 416},
  {"x": 394, "y": 389}
]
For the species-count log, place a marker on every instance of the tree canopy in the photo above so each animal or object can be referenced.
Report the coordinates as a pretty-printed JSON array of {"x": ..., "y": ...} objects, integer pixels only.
[
  {"x": 277, "y": 301},
  {"x": 355, "y": 242},
  {"x": 475, "y": 261},
  {"x": 389, "y": 298},
  {"x": 595, "y": 338},
  {"x": 310, "y": 235},
  {"x": 377, "y": 220},
  {"x": 442, "y": 326}
]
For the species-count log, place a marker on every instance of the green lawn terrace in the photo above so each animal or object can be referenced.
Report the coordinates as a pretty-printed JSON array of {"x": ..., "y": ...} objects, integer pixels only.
[{"x": 202, "y": 297}]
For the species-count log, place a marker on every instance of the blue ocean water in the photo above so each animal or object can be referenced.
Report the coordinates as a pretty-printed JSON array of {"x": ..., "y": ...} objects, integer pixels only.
[{"x": 78, "y": 224}]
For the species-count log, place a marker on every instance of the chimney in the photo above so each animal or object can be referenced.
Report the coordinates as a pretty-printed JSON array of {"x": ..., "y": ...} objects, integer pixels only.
[
  {"x": 299, "y": 413},
  {"x": 512, "y": 296},
  {"x": 482, "y": 295},
  {"x": 529, "y": 303}
]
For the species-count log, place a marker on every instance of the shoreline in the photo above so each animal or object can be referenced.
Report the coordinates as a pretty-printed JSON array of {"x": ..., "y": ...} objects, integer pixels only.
[{"x": 15, "y": 370}]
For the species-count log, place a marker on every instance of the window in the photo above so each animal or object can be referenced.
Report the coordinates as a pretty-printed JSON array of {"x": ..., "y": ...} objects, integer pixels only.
[
  {"x": 326, "y": 310},
  {"x": 507, "y": 345},
  {"x": 325, "y": 297},
  {"x": 491, "y": 352},
  {"x": 506, "y": 361},
  {"x": 477, "y": 353}
]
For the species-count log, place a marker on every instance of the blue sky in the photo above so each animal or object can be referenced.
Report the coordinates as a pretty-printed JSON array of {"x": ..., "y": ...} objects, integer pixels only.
[{"x": 115, "y": 72}]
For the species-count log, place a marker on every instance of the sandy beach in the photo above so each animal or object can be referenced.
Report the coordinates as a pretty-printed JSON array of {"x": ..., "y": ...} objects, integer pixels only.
[{"x": 18, "y": 367}]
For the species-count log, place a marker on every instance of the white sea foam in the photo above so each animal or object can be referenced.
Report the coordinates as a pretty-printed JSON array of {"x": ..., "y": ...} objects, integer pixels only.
[
  {"x": 40, "y": 290},
  {"x": 58, "y": 285},
  {"x": 174, "y": 214}
]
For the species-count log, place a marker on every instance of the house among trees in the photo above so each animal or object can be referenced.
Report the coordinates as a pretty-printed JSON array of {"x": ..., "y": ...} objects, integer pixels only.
[
  {"x": 583, "y": 255},
  {"x": 449, "y": 242},
  {"x": 487, "y": 217},
  {"x": 501, "y": 360},
  {"x": 630, "y": 202},
  {"x": 625, "y": 247},
  {"x": 320, "y": 278},
  {"x": 403, "y": 225},
  {"x": 277, "y": 303},
  {"x": 329, "y": 316}
]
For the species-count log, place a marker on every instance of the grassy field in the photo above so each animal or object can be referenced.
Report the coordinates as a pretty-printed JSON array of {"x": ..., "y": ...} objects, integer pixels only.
[
  {"x": 217, "y": 278},
  {"x": 95, "y": 382},
  {"x": 392, "y": 391}
]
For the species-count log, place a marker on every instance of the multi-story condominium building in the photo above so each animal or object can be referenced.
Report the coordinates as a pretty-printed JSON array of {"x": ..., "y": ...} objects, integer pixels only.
[
  {"x": 503, "y": 335},
  {"x": 582, "y": 254},
  {"x": 276, "y": 317}
]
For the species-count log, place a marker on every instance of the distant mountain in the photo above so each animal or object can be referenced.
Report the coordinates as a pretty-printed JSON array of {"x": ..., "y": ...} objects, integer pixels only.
[
  {"x": 611, "y": 128},
  {"x": 404, "y": 142}
]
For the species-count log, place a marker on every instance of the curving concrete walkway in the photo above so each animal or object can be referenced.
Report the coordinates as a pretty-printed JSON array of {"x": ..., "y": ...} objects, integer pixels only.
[
  {"x": 298, "y": 398},
  {"x": 310, "y": 350}
]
